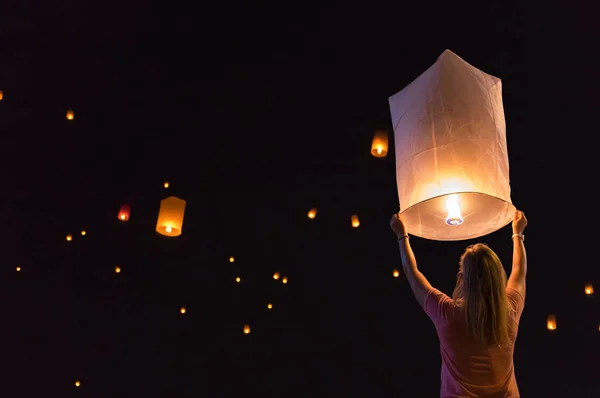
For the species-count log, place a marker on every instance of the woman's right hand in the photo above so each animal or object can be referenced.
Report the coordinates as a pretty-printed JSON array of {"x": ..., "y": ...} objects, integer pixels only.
[{"x": 519, "y": 222}]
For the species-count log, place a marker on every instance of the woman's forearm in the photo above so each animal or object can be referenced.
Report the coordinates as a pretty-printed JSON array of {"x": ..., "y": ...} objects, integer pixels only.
[
  {"x": 409, "y": 262},
  {"x": 519, "y": 263}
]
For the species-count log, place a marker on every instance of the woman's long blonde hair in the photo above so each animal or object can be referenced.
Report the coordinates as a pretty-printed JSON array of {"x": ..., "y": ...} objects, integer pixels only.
[{"x": 481, "y": 291}]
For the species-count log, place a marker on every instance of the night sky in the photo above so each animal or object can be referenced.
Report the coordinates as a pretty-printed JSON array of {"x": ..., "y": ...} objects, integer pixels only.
[{"x": 255, "y": 114}]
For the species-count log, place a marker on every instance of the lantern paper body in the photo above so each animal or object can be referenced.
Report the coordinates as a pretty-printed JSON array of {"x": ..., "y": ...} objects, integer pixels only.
[
  {"x": 124, "y": 213},
  {"x": 551, "y": 322},
  {"x": 170, "y": 216},
  {"x": 451, "y": 154},
  {"x": 379, "y": 147}
]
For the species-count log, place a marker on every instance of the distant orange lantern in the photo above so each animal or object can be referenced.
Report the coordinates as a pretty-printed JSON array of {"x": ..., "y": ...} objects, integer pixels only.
[
  {"x": 18, "y": 269},
  {"x": 83, "y": 232},
  {"x": 166, "y": 184},
  {"x": 117, "y": 270},
  {"x": 276, "y": 275},
  {"x": 379, "y": 147},
  {"x": 396, "y": 273},
  {"x": 355, "y": 222},
  {"x": 284, "y": 280},
  {"x": 589, "y": 289},
  {"x": 124, "y": 212},
  {"x": 170, "y": 216},
  {"x": 1, "y": 95},
  {"x": 312, "y": 213},
  {"x": 246, "y": 329},
  {"x": 231, "y": 259},
  {"x": 269, "y": 306},
  {"x": 69, "y": 237},
  {"x": 551, "y": 322},
  {"x": 238, "y": 279},
  {"x": 182, "y": 310},
  {"x": 70, "y": 114},
  {"x": 77, "y": 383}
]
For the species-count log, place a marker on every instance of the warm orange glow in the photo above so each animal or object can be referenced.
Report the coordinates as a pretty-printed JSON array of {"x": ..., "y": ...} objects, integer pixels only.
[
  {"x": 182, "y": 310},
  {"x": 77, "y": 383},
  {"x": 246, "y": 329},
  {"x": 231, "y": 259},
  {"x": 379, "y": 147},
  {"x": 551, "y": 322},
  {"x": 118, "y": 270},
  {"x": 166, "y": 184},
  {"x": 269, "y": 306},
  {"x": 238, "y": 279},
  {"x": 276, "y": 275},
  {"x": 396, "y": 273},
  {"x": 83, "y": 232},
  {"x": 312, "y": 213},
  {"x": 18, "y": 269},
  {"x": 69, "y": 237},
  {"x": 454, "y": 217},
  {"x": 124, "y": 212},
  {"x": 70, "y": 115},
  {"x": 355, "y": 222},
  {"x": 170, "y": 216},
  {"x": 589, "y": 289},
  {"x": 284, "y": 280},
  {"x": 1, "y": 95}
]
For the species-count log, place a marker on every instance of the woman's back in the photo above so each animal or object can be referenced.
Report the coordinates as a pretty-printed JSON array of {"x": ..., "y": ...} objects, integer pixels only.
[{"x": 471, "y": 369}]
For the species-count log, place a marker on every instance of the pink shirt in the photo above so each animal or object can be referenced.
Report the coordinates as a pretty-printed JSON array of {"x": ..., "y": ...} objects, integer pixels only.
[{"x": 470, "y": 369}]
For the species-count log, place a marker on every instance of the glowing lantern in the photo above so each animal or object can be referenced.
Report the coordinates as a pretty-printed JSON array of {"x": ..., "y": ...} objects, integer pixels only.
[
  {"x": 18, "y": 269},
  {"x": 69, "y": 237},
  {"x": 589, "y": 289},
  {"x": 276, "y": 275},
  {"x": 124, "y": 212},
  {"x": 77, "y": 383},
  {"x": 284, "y": 280},
  {"x": 396, "y": 273},
  {"x": 551, "y": 322},
  {"x": 83, "y": 232},
  {"x": 182, "y": 310},
  {"x": 269, "y": 306},
  {"x": 452, "y": 166},
  {"x": 312, "y": 213},
  {"x": 246, "y": 329},
  {"x": 117, "y": 270},
  {"x": 231, "y": 259},
  {"x": 166, "y": 184},
  {"x": 70, "y": 115},
  {"x": 238, "y": 279},
  {"x": 170, "y": 216},
  {"x": 379, "y": 147},
  {"x": 1, "y": 95},
  {"x": 355, "y": 222}
]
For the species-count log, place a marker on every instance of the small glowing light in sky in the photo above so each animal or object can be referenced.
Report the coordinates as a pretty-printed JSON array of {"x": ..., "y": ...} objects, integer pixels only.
[
  {"x": 269, "y": 306},
  {"x": 284, "y": 280},
  {"x": 166, "y": 184},
  {"x": 276, "y": 275},
  {"x": 117, "y": 269},
  {"x": 231, "y": 259},
  {"x": 246, "y": 329},
  {"x": 70, "y": 115},
  {"x": 77, "y": 383},
  {"x": 238, "y": 279},
  {"x": 69, "y": 237},
  {"x": 396, "y": 273},
  {"x": 182, "y": 310},
  {"x": 18, "y": 269},
  {"x": 83, "y": 232}
]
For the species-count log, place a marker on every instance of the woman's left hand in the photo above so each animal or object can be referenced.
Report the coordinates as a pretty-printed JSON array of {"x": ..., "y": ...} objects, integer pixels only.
[{"x": 398, "y": 226}]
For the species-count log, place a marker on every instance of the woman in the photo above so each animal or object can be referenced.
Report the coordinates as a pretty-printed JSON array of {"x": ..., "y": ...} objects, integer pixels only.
[{"x": 477, "y": 327}]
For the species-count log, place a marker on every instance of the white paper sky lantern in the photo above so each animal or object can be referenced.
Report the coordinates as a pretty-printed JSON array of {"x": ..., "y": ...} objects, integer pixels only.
[
  {"x": 170, "y": 216},
  {"x": 451, "y": 157}
]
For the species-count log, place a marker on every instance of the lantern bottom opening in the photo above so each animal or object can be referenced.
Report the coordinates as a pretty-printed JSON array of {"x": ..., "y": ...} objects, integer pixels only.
[
  {"x": 163, "y": 230},
  {"x": 481, "y": 214}
]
